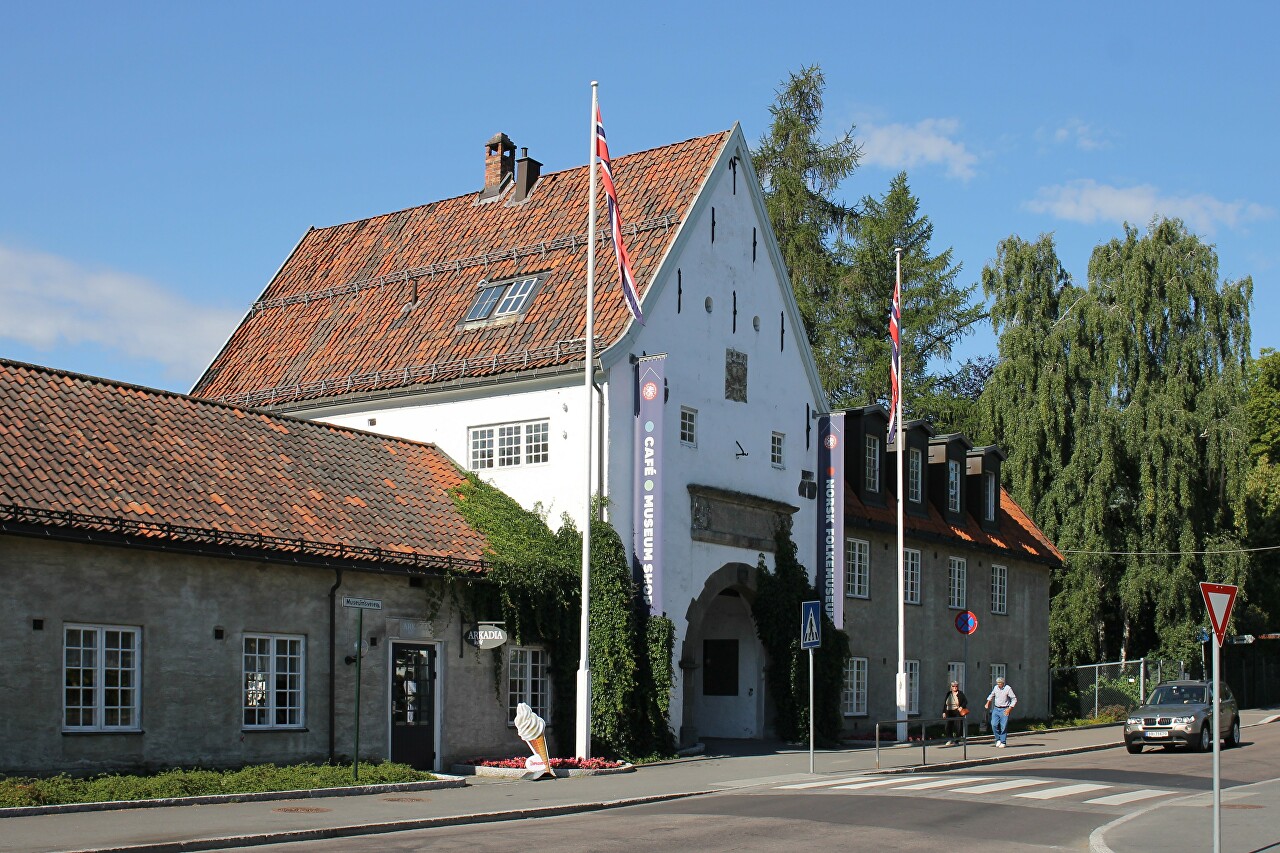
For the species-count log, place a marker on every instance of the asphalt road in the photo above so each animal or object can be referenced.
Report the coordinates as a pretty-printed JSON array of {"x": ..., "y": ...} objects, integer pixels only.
[{"x": 1042, "y": 804}]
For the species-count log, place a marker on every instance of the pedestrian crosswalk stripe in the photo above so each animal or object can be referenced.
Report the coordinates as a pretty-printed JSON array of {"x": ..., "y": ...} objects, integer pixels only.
[
  {"x": 1000, "y": 786},
  {"x": 874, "y": 783},
  {"x": 1064, "y": 791},
  {"x": 1129, "y": 797},
  {"x": 939, "y": 783},
  {"x": 800, "y": 786}
]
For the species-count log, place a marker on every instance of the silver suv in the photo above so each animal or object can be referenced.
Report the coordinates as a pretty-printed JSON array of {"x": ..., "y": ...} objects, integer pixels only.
[{"x": 1180, "y": 713}]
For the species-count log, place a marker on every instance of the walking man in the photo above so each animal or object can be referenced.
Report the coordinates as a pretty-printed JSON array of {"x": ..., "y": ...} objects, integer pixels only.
[{"x": 1001, "y": 700}]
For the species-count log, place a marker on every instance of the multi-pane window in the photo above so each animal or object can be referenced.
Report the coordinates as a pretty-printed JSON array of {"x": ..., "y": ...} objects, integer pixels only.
[
  {"x": 915, "y": 470},
  {"x": 999, "y": 589},
  {"x": 776, "y": 445},
  {"x": 955, "y": 672},
  {"x": 853, "y": 698},
  {"x": 871, "y": 469},
  {"x": 501, "y": 299},
  {"x": 998, "y": 670},
  {"x": 857, "y": 568},
  {"x": 953, "y": 485},
  {"x": 100, "y": 675},
  {"x": 510, "y": 445},
  {"x": 528, "y": 682},
  {"x": 957, "y": 581},
  {"x": 688, "y": 426},
  {"x": 911, "y": 576},
  {"x": 913, "y": 686},
  {"x": 989, "y": 496},
  {"x": 273, "y": 681}
]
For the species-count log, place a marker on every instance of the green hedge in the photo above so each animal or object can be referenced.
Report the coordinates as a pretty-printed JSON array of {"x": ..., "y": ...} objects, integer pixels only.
[{"x": 63, "y": 789}]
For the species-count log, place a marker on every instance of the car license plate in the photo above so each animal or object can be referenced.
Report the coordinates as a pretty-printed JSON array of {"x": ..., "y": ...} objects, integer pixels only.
[{"x": 1157, "y": 734}]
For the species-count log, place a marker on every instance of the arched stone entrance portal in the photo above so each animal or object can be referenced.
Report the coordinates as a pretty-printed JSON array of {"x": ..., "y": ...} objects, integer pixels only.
[{"x": 722, "y": 660}]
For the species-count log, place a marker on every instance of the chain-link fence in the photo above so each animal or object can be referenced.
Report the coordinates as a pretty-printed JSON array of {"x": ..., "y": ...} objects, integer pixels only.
[{"x": 1106, "y": 692}]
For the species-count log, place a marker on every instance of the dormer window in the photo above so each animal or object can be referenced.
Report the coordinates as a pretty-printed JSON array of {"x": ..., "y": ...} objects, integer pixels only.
[
  {"x": 953, "y": 485},
  {"x": 915, "y": 468},
  {"x": 871, "y": 477},
  {"x": 502, "y": 299},
  {"x": 989, "y": 496}
]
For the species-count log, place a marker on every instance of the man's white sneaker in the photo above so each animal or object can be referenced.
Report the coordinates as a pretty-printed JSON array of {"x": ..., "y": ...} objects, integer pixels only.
[{"x": 999, "y": 746}]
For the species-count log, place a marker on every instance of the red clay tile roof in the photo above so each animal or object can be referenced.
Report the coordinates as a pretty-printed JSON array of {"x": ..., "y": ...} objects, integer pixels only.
[
  {"x": 1017, "y": 536},
  {"x": 334, "y": 319},
  {"x": 77, "y": 444}
]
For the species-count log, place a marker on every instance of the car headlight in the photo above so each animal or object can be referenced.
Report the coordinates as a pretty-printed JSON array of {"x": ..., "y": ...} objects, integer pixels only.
[
  {"x": 1133, "y": 721},
  {"x": 1184, "y": 720}
]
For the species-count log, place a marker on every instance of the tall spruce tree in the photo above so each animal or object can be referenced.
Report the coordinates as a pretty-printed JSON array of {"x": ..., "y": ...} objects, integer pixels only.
[
  {"x": 800, "y": 175},
  {"x": 1116, "y": 405}
]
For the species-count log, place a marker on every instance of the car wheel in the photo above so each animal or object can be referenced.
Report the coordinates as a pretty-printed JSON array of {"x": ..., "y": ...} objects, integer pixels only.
[
  {"x": 1233, "y": 737},
  {"x": 1206, "y": 740},
  {"x": 1134, "y": 747}
]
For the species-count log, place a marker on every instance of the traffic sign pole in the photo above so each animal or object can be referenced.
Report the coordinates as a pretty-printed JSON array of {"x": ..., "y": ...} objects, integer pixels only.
[
  {"x": 810, "y": 638},
  {"x": 811, "y": 711},
  {"x": 1217, "y": 756}
]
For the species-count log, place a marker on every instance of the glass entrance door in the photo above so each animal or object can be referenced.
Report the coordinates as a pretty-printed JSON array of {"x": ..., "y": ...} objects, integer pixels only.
[{"x": 413, "y": 702}]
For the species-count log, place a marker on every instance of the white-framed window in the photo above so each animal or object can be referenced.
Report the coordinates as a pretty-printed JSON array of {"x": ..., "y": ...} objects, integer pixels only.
[
  {"x": 777, "y": 444},
  {"x": 688, "y": 426},
  {"x": 957, "y": 582},
  {"x": 501, "y": 299},
  {"x": 915, "y": 474},
  {"x": 911, "y": 576},
  {"x": 913, "y": 686},
  {"x": 953, "y": 485},
  {"x": 528, "y": 681},
  {"x": 853, "y": 698},
  {"x": 857, "y": 568},
  {"x": 871, "y": 468},
  {"x": 274, "y": 667},
  {"x": 101, "y": 678},
  {"x": 989, "y": 492},
  {"x": 955, "y": 672},
  {"x": 510, "y": 445},
  {"x": 1000, "y": 590},
  {"x": 999, "y": 670}
]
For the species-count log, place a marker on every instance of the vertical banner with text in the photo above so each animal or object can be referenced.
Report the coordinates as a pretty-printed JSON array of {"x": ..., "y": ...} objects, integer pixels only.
[
  {"x": 831, "y": 516},
  {"x": 647, "y": 497}
]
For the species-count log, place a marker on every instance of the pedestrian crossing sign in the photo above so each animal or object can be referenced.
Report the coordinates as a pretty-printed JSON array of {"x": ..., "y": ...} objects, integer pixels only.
[{"x": 810, "y": 624}]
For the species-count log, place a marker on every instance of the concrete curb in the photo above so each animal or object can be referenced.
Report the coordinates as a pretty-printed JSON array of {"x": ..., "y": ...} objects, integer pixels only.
[
  {"x": 995, "y": 759},
  {"x": 380, "y": 828},
  {"x": 519, "y": 773},
  {"x": 441, "y": 781}
]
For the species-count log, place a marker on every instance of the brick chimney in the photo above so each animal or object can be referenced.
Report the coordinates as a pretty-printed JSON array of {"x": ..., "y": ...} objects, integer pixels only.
[{"x": 499, "y": 165}]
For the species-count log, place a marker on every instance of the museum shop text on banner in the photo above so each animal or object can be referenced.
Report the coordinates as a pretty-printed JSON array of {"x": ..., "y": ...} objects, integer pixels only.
[
  {"x": 647, "y": 516},
  {"x": 831, "y": 516}
]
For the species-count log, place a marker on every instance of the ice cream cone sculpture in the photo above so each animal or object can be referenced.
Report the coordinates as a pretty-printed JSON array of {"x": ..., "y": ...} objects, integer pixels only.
[{"x": 532, "y": 730}]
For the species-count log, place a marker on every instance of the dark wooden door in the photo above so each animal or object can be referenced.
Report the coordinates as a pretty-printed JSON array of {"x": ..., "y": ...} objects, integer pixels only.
[{"x": 413, "y": 703}]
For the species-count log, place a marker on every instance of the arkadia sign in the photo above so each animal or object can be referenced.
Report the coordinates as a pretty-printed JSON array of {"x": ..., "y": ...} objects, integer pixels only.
[
  {"x": 831, "y": 515},
  {"x": 486, "y": 635},
  {"x": 647, "y": 474}
]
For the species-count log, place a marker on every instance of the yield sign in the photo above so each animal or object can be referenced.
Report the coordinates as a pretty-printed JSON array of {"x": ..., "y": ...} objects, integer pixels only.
[{"x": 1219, "y": 598}]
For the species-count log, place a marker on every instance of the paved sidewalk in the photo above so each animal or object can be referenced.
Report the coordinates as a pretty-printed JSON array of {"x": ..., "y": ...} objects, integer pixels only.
[{"x": 208, "y": 827}]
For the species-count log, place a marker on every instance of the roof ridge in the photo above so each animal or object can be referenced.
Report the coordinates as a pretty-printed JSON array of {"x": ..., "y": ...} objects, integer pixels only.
[
  {"x": 207, "y": 401},
  {"x": 617, "y": 161}
]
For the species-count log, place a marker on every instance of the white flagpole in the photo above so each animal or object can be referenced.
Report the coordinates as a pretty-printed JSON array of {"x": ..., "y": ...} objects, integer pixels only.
[
  {"x": 582, "y": 741},
  {"x": 902, "y": 554}
]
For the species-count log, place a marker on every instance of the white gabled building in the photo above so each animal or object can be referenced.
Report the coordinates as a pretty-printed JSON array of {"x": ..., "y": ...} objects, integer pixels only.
[{"x": 462, "y": 322}]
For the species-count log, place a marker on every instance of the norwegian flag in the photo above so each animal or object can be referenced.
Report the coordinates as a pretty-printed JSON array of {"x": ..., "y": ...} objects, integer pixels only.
[
  {"x": 628, "y": 278},
  {"x": 895, "y": 336}
]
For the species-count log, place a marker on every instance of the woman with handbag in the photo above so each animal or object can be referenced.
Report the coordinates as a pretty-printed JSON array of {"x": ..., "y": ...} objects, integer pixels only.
[{"x": 955, "y": 708}]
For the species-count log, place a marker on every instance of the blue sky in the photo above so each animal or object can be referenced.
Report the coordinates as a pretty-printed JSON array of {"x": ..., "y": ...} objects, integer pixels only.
[{"x": 160, "y": 160}]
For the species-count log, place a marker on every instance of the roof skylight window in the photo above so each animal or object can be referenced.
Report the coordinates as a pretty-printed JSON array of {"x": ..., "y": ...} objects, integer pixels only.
[{"x": 502, "y": 299}]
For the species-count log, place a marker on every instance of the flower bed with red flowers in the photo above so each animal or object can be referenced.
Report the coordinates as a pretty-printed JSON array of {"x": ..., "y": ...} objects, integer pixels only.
[{"x": 561, "y": 767}]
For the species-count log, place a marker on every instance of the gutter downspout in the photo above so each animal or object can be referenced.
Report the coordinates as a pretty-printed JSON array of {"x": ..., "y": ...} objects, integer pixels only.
[{"x": 333, "y": 675}]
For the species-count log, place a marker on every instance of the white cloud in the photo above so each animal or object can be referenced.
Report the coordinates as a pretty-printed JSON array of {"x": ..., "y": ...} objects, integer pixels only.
[
  {"x": 1088, "y": 201},
  {"x": 50, "y": 301},
  {"x": 930, "y": 141},
  {"x": 1083, "y": 136}
]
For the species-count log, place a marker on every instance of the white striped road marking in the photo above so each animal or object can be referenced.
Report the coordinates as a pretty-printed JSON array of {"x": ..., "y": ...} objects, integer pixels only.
[
  {"x": 1000, "y": 786},
  {"x": 939, "y": 783},
  {"x": 874, "y": 783},
  {"x": 824, "y": 783},
  {"x": 1131, "y": 796},
  {"x": 1064, "y": 791}
]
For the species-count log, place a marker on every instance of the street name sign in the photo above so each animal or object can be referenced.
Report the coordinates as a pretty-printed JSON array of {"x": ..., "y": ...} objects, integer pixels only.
[
  {"x": 1219, "y": 598},
  {"x": 361, "y": 603},
  {"x": 1241, "y": 640}
]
